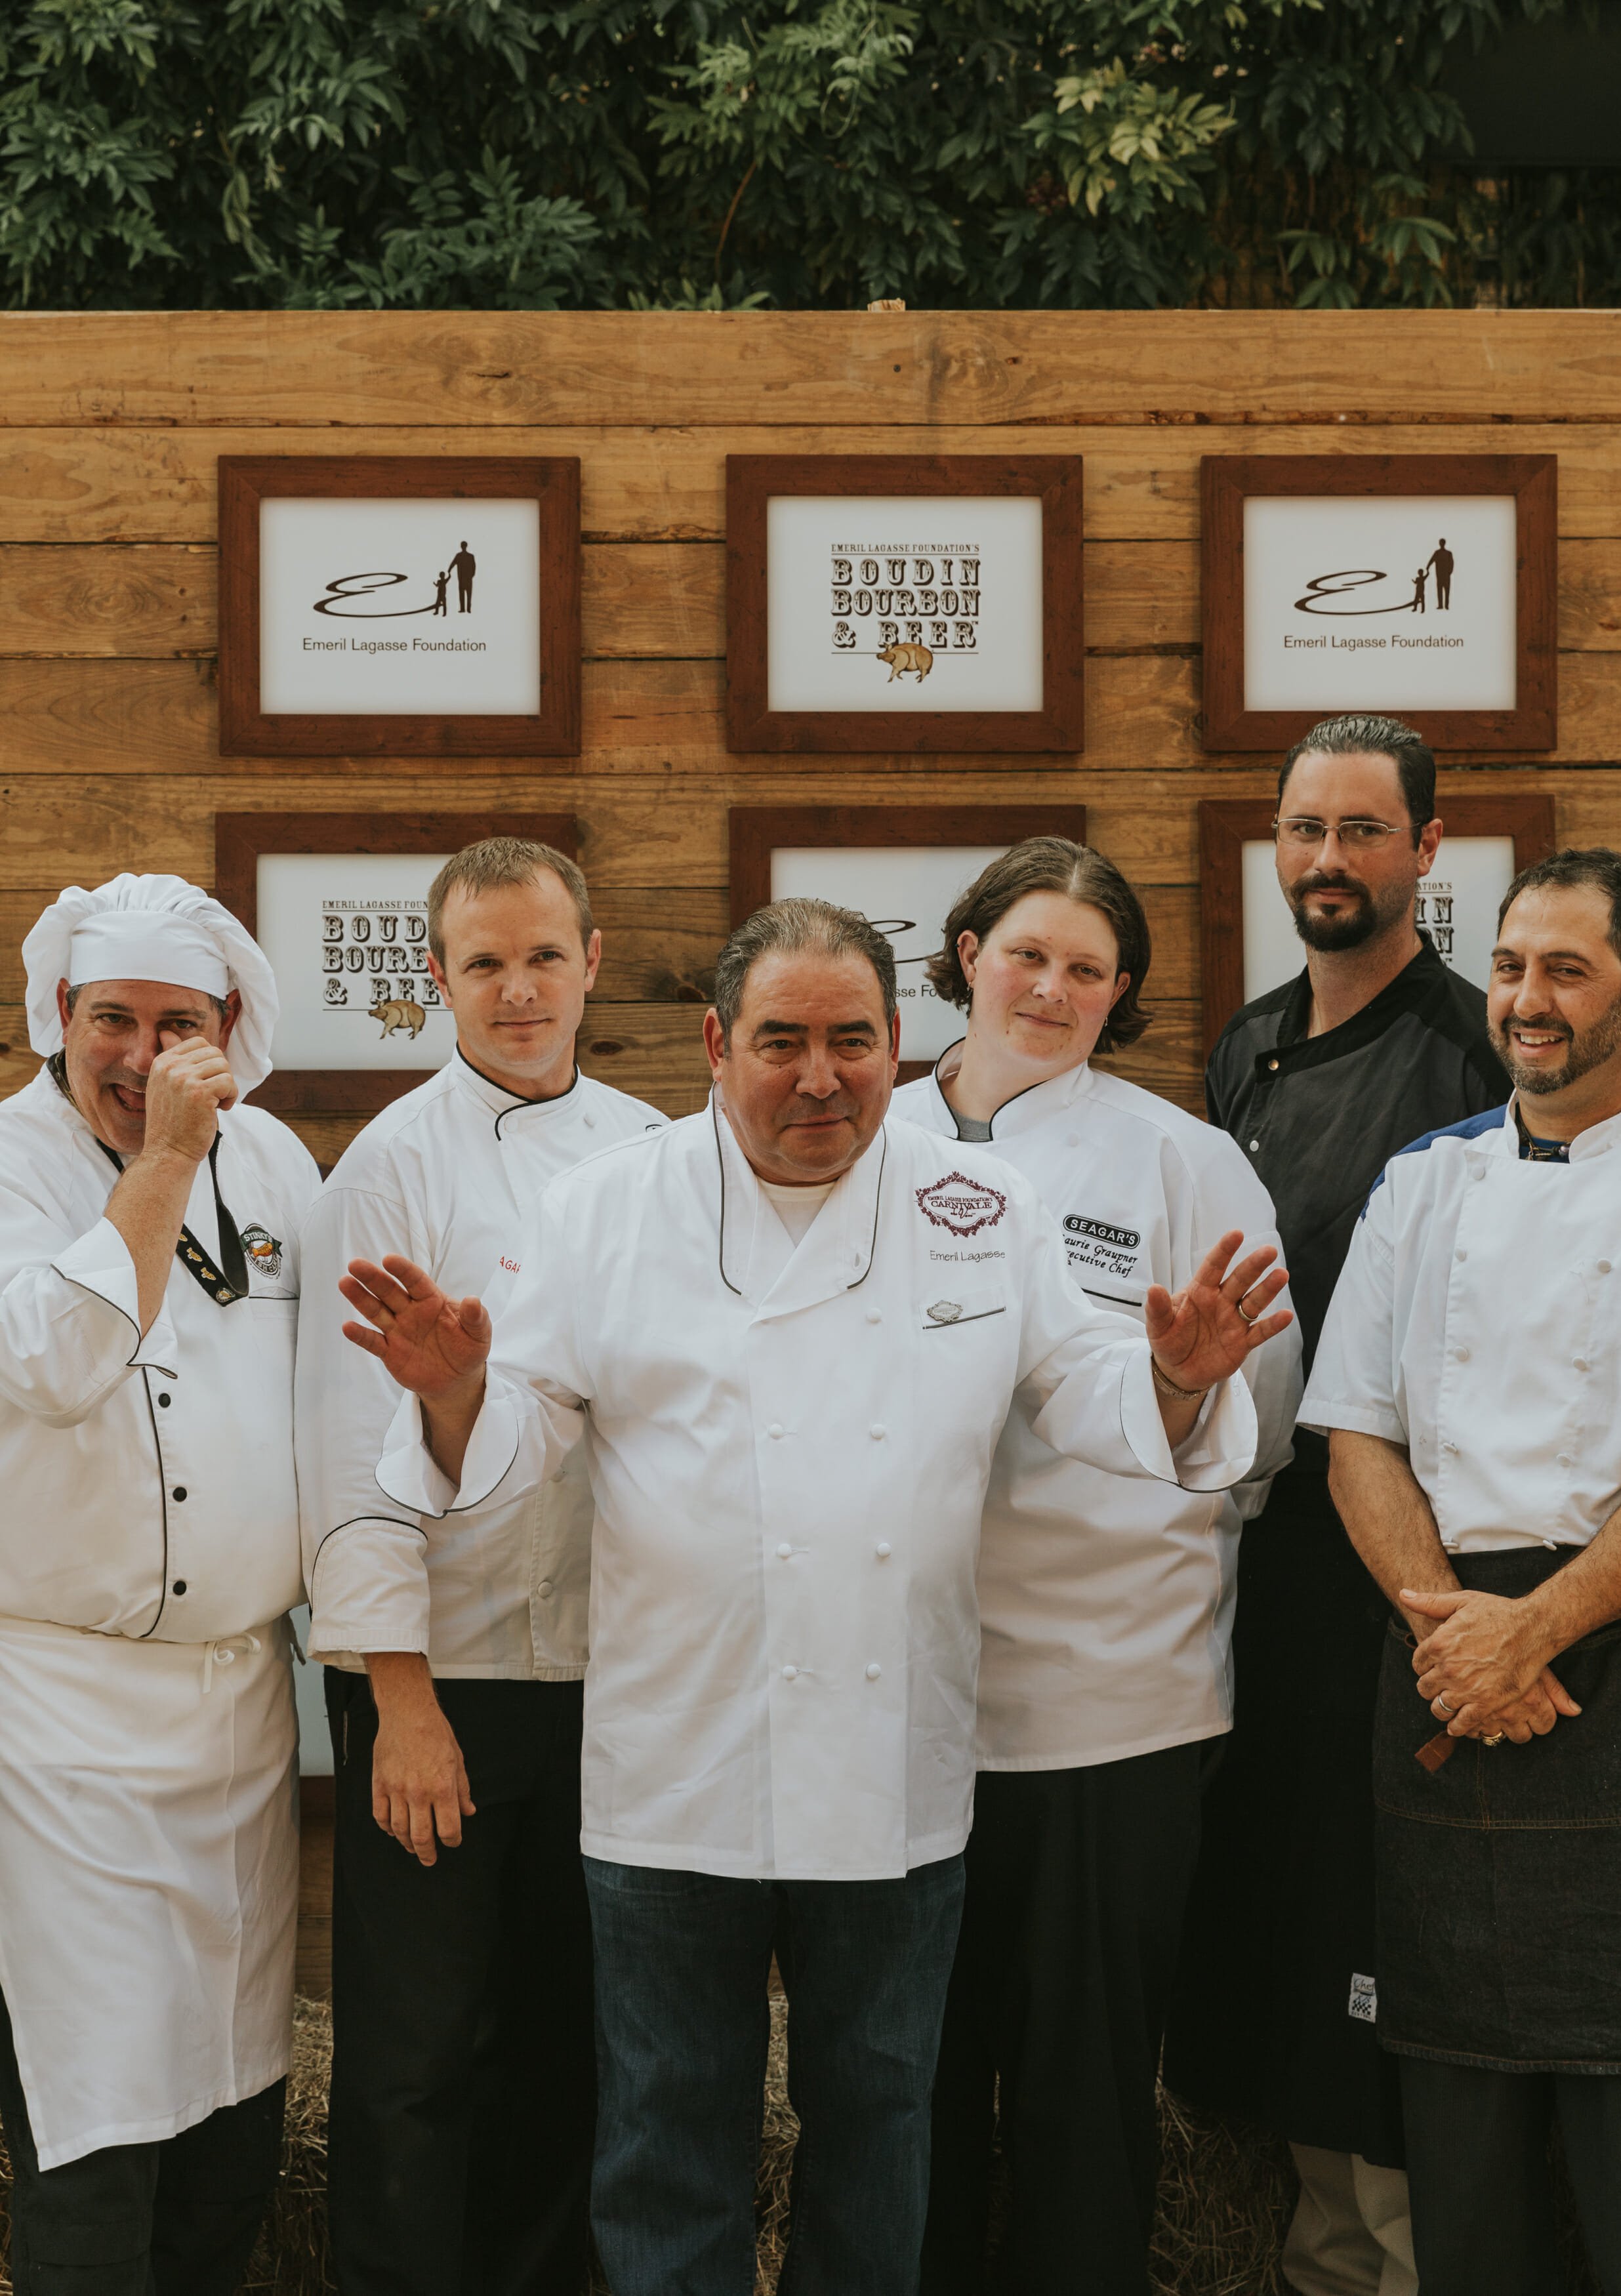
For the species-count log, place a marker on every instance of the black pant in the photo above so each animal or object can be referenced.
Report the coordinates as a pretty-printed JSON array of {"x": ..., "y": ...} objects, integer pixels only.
[
  {"x": 1076, "y": 1881},
  {"x": 463, "y": 2065},
  {"x": 177, "y": 2218},
  {"x": 1477, "y": 2171}
]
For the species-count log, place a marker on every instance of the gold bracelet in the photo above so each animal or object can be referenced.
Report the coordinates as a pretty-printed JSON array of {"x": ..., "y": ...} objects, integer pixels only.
[{"x": 1168, "y": 1386}]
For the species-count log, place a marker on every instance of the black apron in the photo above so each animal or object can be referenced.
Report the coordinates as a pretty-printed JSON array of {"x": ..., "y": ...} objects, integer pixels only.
[
  {"x": 1500, "y": 1874},
  {"x": 1268, "y": 2019}
]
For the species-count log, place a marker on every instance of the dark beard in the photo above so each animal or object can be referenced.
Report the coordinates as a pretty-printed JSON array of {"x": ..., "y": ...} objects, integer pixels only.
[
  {"x": 1350, "y": 930},
  {"x": 1587, "y": 1051}
]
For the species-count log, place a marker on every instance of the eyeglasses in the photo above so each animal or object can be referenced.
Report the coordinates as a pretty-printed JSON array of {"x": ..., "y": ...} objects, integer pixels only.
[{"x": 1305, "y": 831}]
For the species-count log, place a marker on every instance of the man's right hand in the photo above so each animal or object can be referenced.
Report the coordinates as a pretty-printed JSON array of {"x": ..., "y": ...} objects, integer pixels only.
[
  {"x": 419, "y": 1781},
  {"x": 186, "y": 1086},
  {"x": 429, "y": 1343}
]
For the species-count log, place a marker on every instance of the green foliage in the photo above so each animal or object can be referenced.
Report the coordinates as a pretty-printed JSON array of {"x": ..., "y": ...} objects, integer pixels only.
[{"x": 705, "y": 154}]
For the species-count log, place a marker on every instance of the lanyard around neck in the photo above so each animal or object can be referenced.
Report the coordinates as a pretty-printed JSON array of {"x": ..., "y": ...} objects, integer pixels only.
[{"x": 228, "y": 1283}]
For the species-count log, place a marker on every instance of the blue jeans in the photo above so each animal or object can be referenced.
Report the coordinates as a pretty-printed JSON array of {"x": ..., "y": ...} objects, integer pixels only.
[{"x": 683, "y": 1963}]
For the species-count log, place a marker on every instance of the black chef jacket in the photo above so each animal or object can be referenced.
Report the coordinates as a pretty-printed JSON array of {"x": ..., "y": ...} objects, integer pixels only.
[
  {"x": 1270, "y": 2017},
  {"x": 1320, "y": 1117}
]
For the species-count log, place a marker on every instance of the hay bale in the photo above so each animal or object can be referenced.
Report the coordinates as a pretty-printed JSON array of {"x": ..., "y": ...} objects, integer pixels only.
[{"x": 291, "y": 2256}]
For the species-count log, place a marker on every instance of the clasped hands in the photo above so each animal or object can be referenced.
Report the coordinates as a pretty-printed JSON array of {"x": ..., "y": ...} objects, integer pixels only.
[{"x": 1484, "y": 1666}]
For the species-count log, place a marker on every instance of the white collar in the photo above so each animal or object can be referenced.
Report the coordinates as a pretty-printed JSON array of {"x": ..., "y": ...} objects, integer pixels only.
[
  {"x": 1027, "y": 1109},
  {"x": 466, "y": 1077},
  {"x": 835, "y": 1253},
  {"x": 1597, "y": 1140}
]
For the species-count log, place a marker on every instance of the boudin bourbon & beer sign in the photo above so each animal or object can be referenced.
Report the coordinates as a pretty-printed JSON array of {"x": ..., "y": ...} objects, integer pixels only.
[
  {"x": 904, "y": 602},
  {"x": 399, "y": 603},
  {"x": 1420, "y": 586}
]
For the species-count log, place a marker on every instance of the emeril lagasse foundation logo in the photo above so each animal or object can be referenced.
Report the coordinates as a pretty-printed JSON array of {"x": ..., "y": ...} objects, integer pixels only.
[
  {"x": 1430, "y": 584},
  {"x": 903, "y": 603},
  {"x": 962, "y": 1205},
  {"x": 346, "y": 600}
]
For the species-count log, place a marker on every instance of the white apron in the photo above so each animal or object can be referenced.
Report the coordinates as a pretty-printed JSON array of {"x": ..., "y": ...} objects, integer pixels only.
[{"x": 149, "y": 1880}]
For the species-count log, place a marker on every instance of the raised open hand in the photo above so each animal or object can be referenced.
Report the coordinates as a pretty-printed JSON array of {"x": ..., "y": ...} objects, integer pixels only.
[
  {"x": 430, "y": 1343},
  {"x": 1208, "y": 1329}
]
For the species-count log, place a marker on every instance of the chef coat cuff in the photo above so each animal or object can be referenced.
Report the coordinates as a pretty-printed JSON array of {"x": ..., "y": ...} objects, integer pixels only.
[
  {"x": 410, "y": 1475},
  {"x": 1218, "y": 1450},
  {"x": 368, "y": 1589},
  {"x": 99, "y": 1263},
  {"x": 1324, "y": 1412}
]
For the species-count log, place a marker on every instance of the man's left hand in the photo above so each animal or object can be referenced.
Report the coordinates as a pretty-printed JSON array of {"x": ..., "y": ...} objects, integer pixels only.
[
  {"x": 1208, "y": 1331},
  {"x": 1483, "y": 1667}
]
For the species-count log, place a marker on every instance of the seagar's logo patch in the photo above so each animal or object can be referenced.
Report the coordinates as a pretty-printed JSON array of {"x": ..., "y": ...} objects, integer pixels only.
[
  {"x": 1124, "y": 1239},
  {"x": 962, "y": 1205},
  {"x": 263, "y": 1250}
]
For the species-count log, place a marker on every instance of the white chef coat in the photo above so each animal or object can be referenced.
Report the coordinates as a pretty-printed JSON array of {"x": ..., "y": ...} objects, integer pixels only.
[
  {"x": 1477, "y": 1321},
  {"x": 449, "y": 1175},
  {"x": 789, "y": 1449},
  {"x": 148, "y": 1552},
  {"x": 1106, "y": 1601}
]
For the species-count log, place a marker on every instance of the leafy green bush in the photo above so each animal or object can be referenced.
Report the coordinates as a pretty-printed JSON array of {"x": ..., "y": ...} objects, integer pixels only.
[{"x": 504, "y": 154}]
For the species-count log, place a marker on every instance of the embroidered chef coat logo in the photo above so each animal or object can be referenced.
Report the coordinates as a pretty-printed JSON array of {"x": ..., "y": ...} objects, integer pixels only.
[
  {"x": 962, "y": 1205},
  {"x": 1100, "y": 1245},
  {"x": 944, "y": 1311},
  {"x": 264, "y": 1251}
]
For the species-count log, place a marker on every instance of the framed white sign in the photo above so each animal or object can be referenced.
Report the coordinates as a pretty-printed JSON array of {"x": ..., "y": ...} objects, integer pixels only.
[
  {"x": 900, "y": 866},
  {"x": 1417, "y": 586},
  {"x": 880, "y": 601},
  {"x": 398, "y": 605}
]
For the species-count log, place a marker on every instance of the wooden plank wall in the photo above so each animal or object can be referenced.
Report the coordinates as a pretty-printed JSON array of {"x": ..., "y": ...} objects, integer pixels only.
[{"x": 110, "y": 427}]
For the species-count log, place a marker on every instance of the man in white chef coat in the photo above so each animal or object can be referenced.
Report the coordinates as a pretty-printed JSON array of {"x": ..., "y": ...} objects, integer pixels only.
[
  {"x": 789, "y": 1332},
  {"x": 149, "y": 1554},
  {"x": 1468, "y": 1372},
  {"x": 465, "y": 2052}
]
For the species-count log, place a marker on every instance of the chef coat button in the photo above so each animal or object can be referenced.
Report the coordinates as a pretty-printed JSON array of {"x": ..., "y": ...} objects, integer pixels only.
[
  {"x": 1449, "y": 1447},
  {"x": 591, "y": 1124},
  {"x": 876, "y": 1314},
  {"x": 180, "y": 1585},
  {"x": 1604, "y": 1268},
  {"x": 1579, "y": 1363},
  {"x": 544, "y": 1587},
  {"x": 1254, "y": 1146},
  {"x": 873, "y": 1672},
  {"x": 1460, "y": 1355},
  {"x": 1478, "y": 1173},
  {"x": 178, "y": 1492},
  {"x": 1564, "y": 1459},
  {"x": 883, "y": 1549},
  {"x": 1464, "y": 1255},
  {"x": 1273, "y": 1061},
  {"x": 785, "y": 1550},
  {"x": 790, "y": 1674},
  {"x": 775, "y": 1430},
  {"x": 163, "y": 1402},
  {"x": 855, "y": 1259},
  {"x": 876, "y": 1432}
]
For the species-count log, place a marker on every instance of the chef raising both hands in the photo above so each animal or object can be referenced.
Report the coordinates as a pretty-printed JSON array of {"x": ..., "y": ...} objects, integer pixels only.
[{"x": 788, "y": 1330}]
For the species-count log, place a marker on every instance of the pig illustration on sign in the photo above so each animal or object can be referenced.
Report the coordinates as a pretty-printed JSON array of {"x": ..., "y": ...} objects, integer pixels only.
[
  {"x": 398, "y": 1013},
  {"x": 903, "y": 658}
]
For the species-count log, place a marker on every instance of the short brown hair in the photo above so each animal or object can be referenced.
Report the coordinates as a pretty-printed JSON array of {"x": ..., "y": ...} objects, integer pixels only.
[
  {"x": 794, "y": 925},
  {"x": 496, "y": 861},
  {"x": 1053, "y": 864}
]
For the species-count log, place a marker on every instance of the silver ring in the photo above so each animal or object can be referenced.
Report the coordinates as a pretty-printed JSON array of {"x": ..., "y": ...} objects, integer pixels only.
[
  {"x": 1442, "y": 1701},
  {"x": 1238, "y": 1304}
]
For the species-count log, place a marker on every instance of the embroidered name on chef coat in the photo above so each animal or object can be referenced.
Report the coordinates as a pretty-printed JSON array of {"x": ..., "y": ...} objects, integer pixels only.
[
  {"x": 962, "y": 1205},
  {"x": 1103, "y": 1248}
]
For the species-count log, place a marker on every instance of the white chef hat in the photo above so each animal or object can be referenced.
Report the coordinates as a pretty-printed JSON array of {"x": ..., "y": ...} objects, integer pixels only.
[{"x": 151, "y": 929}]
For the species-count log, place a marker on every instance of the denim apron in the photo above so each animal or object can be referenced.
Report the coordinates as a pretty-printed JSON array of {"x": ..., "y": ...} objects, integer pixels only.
[{"x": 1500, "y": 1873}]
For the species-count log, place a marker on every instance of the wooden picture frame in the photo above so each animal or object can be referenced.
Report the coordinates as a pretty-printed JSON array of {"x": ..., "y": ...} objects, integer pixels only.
[
  {"x": 1226, "y": 825},
  {"x": 1228, "y": 482},
  {"x": 755, "y": 833},
  {"x": 242, "y": 839},
  {"x": 753, "y": 481},
  {"x": 248, "y": 481}
]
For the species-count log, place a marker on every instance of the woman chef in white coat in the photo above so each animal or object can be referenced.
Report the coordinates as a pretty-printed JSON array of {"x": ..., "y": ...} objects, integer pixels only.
[{"x": 1106, "y": 1606}]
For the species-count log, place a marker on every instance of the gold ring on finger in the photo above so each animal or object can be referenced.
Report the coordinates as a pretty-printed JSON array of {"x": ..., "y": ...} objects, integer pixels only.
[
  {"x": 1495, "y": 1739},
  {"x": 1238, "y": 1304}
]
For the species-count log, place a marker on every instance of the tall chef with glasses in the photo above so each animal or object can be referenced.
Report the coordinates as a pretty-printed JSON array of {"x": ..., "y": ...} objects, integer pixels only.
[
  {"x": 1320, "y": 1083},
  {"x": 1106, "y": 1604}
]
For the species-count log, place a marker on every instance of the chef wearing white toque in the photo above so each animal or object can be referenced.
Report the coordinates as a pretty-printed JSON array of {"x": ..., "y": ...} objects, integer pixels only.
[{"x": 149, "y": 1552}]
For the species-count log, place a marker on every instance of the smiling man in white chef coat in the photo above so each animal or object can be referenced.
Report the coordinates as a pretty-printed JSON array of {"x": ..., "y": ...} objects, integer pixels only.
[
  {"x": 1469, "y": 1370},
  {"x": 789, "y": 1332},
  {"x": 461, "y": 1936},
  {"x": 148, "y": 1553}
]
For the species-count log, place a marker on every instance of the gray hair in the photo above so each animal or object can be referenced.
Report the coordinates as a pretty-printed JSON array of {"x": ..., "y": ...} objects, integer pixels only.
[{"x": 793, "y": 926}]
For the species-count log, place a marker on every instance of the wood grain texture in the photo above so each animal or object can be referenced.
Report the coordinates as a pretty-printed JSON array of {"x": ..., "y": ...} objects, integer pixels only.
[{"x": 497, "y": 369}]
